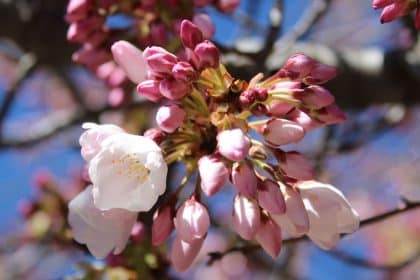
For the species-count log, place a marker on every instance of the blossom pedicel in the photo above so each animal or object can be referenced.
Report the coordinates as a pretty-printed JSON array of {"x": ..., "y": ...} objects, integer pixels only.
[{"x": 208, "y": 122}]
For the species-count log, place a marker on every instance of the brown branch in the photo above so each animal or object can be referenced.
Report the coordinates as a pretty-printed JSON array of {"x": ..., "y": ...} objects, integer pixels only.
[
  {"x": 27, "y": 65},
  {"x": 213, "y": 256}
]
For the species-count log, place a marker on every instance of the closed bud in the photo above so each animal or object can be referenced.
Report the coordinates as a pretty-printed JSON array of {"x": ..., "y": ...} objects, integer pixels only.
[
  {"x": 159, "y": 61},
  {"x": 150, "y": 90},
  {"x": 184, "y": 71},
  {"x": 246, "y": 216},
  {"x": 247, "y": 98},
  {"x": 77, "y": 9},
  {"x": 190, "y": 34},
  {"x": 233, "y": 144},
  {"x": 269, "y": 237},
  {"x": 183, "y": 253},
  {"x": 207, "y": 55},
  {"x": 170, "y": 117},
  {"x": 174, "y": 89},
  {"x": 331, "y": 115},
  {"x": 131, "y": 60},
  {"x": 262, "y": 94},
  {"x": 296, "y": 166},
  {"x": 162, "y": 224},
  {"x": 270, "y": 197},
  {"x": 279, "y": 108},
  {"x": 321, "y": 74},
  {"x": 203, "y": 21},
  {"x": 299, "y": 66},
  {"x": 395, "y": 10},
  {"x": 213, "y": 173},
  {"x": 377, "y": 4},
  {"x": 192, "y": 221},
  {"x": 244, "y": 178},
  {"x": 316, "y": 97},
  {"x": 281, "y": 132},
  {"x": 303, "y": 119}
]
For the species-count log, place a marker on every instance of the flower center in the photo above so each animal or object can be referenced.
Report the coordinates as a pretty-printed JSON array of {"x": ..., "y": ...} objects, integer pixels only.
[{"x": 129, "y": 165}]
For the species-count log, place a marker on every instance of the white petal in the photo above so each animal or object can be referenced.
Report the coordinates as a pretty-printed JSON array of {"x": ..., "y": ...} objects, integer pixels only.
[{"x": 101, "y": 231}]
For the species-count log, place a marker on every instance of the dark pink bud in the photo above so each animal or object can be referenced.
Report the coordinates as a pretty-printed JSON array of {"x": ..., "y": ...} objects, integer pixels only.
[
  {"x": 184, "y": 71},
  {"x": 321, "y": 74},
  {"x": 299, "y": 66},
  {"x": 395, "y": 10},
  {"x": 160, "y": 61},
  {"x": 227, "y": 6},
  {"x": 77, "y": 9},
  {"x": 170, "y": 117},
  {"x": 174, "y": 89},
  {"x": 270, "y": 197},
  {"x": 183, "y": 253},
  {"x": 138, "y": 232},
  {"x": 247, "y": 98},
  {"x": 203, "y": 21},
  {"x": 192, "y": 221},
  {"x": 162, "y": 224},
  {"x": 377, "y": 4},
  {"x": 262, "y": 94},
  {"x": 331, "y": 115},
  {"x": 246, "y": 216},
  {"x": 155, "y": 134},
  {"x": 316, "y": 97},
  {"x": 80, "y": 30},
  {"x": 269, "y": 237},
  {"x": 42, "y": 178},
  {"x": 91, "y": 57},
  {"x": 150, "y": 90},
  {"x": 190, "y": 34},
  {"x": 213, "y": 173},
  {"x": 207, "y": 55},
  {"x": 296, "y": 166},
  {"x": 244, "y": 178}
]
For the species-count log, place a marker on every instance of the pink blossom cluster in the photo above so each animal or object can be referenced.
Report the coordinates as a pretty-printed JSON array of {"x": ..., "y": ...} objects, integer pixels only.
[
  {"x": 393, "y": 9},
  {"x": 230, "y": 130},
  {"x": 149, "y": 25}
]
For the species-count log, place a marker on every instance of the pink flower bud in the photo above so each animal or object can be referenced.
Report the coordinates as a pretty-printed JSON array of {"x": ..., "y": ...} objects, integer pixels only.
[
  {"x": 190, "y": 34},
  {"x": 395, "y": 10},
  {"x": 281, "y": 132},
  {"x": 244, "y": 179},
  {"x": 116, "y": 97},
  {"x": 162, "y": 224},
  {"x": 316, "y": 97},
  {"x": 269, "y": 237},
  {"x": 170, "y": 117},
  {"x": 203, "y": 21},
  {"x": 77, "y": 9},
  {"x": 150, "y": 90},
  {"x": 184, "y": 71},
  {"x": 80, "y": 30},
  {"x": 160, "y": 61},
  {"x": 303, "y": 119},
  {"x": 117, "y": 77},
  {"x": 174, "y": 89},
  {"x": 184, "y": 253},
  {"x": 207, "y": 55},
  {"x": 91, "y": 57},
  {"x": 299, "y": 66},
  {"x": 155, "y": 134},
  {"x": 192, "y": 221},
  {"x": 130, "y": 59},
  {"x": 246, "y": 216},
  {"x": 321, "y": 74},
  {"x": 233, "y": 144},
  {"x": 270, "y": 197},
  {"x": 296, "y": 166},
  {"x": 138, "y": 232},
  {"x": 279, "y": 108},
  {"x": 213, "y": 173},
  {"x": 331, "y": 115},
  {"x": 227, "y": 6},
  {"x": 247, "y": 97},
  {"x": 377, "y": 4}
]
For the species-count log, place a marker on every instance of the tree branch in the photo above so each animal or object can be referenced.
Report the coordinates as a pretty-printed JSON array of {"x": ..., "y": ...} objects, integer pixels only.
[{"x": 213, "y": 256}]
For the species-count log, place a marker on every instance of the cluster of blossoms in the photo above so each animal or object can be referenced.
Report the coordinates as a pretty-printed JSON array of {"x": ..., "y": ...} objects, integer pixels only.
[
  {"x": 393, "y": 9},
  {"x": 227, "y": 129},
  {"x": 98, "y": 24}
]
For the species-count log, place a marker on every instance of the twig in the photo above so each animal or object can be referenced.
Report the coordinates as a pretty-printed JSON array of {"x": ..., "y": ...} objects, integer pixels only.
[
  {"x": 27, "y": 64},
  {"x": 213, "y": 256}
]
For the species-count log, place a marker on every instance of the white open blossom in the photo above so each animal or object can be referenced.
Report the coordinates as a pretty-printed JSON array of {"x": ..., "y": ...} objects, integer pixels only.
[
  {"x": 330, "y": 213},
  {"x": 101, "y": 231},
  {"x": 128, "y": 172}
]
